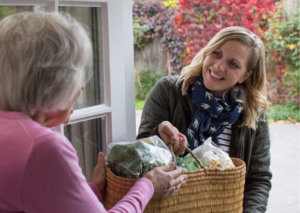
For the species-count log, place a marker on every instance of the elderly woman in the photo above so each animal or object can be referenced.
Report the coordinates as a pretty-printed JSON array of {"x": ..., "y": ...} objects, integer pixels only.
[
  {"x": 221, "y": 94},
  {"x": 43, "y": 66}
]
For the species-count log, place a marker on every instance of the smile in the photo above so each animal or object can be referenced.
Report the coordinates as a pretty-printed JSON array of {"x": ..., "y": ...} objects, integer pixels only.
[{"x": 215, "y": 76}]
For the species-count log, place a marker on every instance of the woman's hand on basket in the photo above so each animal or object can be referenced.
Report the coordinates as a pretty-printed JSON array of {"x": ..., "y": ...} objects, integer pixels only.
[
  {"x": 165, "y": 181},
  {"x": 169, "y": 134},
  {"x": 98, "y": 175}
]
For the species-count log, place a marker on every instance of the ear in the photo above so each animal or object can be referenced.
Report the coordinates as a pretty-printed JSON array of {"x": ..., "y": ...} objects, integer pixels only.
[{"x": 247, "y": 75}]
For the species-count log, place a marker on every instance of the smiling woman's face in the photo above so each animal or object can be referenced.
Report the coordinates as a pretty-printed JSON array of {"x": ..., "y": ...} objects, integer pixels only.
[{"x": 226, "y": 66}]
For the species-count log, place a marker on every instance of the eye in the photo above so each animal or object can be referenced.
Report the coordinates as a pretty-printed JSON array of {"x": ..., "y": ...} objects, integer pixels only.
[
  {"x": 216, "y": 54},
  {"x": 233, "y": 64}
]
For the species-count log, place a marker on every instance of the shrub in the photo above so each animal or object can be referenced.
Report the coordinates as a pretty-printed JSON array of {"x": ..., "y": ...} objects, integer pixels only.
[
  {"x": 7, "y": 11},
  {"x": 288, "y": 111},
  {"x": 144, "y": 81},
  {"x": 283, "y": 48}
]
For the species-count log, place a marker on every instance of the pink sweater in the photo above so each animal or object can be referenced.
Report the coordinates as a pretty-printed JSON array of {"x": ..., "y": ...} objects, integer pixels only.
[{"x": 39, "y": 173}]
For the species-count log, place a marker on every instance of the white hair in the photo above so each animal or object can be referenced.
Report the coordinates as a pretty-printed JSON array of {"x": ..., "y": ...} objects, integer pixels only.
[{"x": 44, "y": 59}]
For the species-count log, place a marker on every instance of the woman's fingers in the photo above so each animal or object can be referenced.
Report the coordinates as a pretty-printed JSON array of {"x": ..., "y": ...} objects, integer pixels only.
[
  {"x": 182, "y": 144},
  {"x": 164, "y": 181},
  {"x": 172, "y": 137},
  {"x": 98, "y": 175},
  {"x": 167, "y": 167},
  {"x": 166, "y": 132}
]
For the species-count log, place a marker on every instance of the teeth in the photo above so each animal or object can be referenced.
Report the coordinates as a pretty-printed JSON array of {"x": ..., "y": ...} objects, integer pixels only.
[{"x": 215, "y": 76}]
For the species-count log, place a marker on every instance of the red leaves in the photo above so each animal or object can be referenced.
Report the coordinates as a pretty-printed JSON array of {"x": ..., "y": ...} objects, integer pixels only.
[
  {"x": 200, "y": 20},
  {"x": 182, "y": 2},
  {"x": 282, "y": 67}
]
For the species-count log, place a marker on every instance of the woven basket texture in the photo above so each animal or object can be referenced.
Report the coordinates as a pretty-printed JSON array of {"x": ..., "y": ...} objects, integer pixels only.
[{"x": 212, "y": 191}]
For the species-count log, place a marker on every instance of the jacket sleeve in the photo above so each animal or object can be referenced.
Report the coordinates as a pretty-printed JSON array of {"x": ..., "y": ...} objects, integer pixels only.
[
  {"x": 156, "y": 110},
  {"x": 258, "y": 180}
]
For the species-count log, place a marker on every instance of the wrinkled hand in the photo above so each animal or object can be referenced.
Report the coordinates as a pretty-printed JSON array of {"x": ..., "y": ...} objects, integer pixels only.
[
  {"x": 164, "y": 180},
  {"x": 170, "y": 134},
  {"x": 98, "y": 175}
]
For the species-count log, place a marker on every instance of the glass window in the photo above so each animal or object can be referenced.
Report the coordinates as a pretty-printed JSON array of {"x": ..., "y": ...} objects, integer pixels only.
[
  {"x": 90, "y": 17},
  {"x": 87, "y": 138}
]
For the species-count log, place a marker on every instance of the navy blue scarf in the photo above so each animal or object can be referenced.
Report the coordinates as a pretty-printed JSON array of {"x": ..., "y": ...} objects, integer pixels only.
[{"x": 212, "y": 114}]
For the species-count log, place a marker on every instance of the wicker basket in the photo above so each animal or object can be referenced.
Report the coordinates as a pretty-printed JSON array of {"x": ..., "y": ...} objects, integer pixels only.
[{"x": 206, "y": 190}]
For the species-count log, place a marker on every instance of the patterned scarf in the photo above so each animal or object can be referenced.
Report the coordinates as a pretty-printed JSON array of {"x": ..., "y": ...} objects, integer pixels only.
[{"x": 212, "y": 114}]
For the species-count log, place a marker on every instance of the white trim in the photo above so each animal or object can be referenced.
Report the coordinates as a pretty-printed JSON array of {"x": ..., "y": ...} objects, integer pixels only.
[
  {"x": 106, "y": 68},
  {"x": 59, "y": 129},
  {"x": 89, "y": 113},
  {"x": 122, "y": 70},
  {"x": 129, "y": 72},
  {"x": 53, "y": 7},
  {"x": 82, "y": 3}
]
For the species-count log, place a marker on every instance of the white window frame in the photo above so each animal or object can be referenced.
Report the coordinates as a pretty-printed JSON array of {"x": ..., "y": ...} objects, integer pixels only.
[{"x": 119, "y": 98}]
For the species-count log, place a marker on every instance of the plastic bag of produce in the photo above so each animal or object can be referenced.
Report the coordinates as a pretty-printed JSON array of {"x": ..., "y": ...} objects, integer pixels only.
[
  {"x": 133, "y": 159},
  {"x": 211, "y": 156}
]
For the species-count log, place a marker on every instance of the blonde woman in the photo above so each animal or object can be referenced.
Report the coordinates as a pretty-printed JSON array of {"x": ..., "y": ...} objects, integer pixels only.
[
  {"x": 221, "y": 94},
  {"x": 44, "y": 59}
]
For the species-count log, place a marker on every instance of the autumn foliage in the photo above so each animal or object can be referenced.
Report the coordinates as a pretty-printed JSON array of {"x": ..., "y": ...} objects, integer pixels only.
[
  {"x": 200, "y": 20},
  {"x": 187, "y": 27}
]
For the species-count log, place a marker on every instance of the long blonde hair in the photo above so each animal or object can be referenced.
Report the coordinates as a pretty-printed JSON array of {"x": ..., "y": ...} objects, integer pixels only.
[{"x": 253, "y": 89}]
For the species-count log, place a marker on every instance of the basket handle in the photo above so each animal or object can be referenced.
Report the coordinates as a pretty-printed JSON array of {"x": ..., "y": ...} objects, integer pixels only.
[{"x": 189, "y": 151}]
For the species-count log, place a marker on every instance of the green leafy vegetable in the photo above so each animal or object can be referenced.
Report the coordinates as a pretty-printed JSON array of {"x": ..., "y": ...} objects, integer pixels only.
[
  {"x": 187, "y": 164},
  {"x": 132, "y": 160}
]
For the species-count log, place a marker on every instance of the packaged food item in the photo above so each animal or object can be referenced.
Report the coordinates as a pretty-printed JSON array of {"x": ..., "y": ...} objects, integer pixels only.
[
  {"x": 211, "y": 160},
  {"x": 211, "y": 156},
  {"x": 187, "y": 164},
  {"x": 133, "y": 159}
]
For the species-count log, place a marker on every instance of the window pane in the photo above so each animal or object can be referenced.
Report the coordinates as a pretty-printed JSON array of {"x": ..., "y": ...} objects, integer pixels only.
[
  {"x": 87, "y": 138},
  {"x": 91, "y": 17},
  {"x": 10, "y": 10}
]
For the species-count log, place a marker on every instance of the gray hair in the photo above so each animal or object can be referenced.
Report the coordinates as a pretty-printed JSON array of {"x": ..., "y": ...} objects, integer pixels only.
[{"x": 44, "y": 59}]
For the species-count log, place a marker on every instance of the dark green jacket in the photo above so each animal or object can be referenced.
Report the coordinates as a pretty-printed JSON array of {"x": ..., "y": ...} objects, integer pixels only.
[{"x": 166, "y": 103}]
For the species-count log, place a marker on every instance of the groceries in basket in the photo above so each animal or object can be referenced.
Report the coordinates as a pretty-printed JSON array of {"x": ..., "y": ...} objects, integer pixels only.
[
  {"x": 187, "y": 163},
  {"x": 133, "y": 159},
  {"x": 211, "y": 156}
]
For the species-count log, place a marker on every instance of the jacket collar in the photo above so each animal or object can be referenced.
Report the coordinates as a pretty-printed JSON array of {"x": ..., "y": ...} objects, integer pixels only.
[{"x": 186, "y": 101}]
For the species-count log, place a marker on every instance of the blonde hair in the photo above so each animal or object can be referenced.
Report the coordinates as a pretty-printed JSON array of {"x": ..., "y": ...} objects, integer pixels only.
[
  {"x": 253, "y": 89},
  {"x": 44, "y": 58}
]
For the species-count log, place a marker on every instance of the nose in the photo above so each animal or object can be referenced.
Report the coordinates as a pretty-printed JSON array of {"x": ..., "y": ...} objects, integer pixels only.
[
  {"x": 220, "y": 65},
  {"x": 83, "y": 85}
]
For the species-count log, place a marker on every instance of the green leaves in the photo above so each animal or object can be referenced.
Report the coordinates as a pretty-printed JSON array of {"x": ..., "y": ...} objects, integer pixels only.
[{"x": 283, "y": 46}]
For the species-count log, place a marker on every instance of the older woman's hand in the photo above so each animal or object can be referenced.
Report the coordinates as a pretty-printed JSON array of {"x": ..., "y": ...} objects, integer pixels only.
[
  {"x": 98, "y": 175},
  {"x": 165, "y": 181},
  {"x": 170, "y": 135}
]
